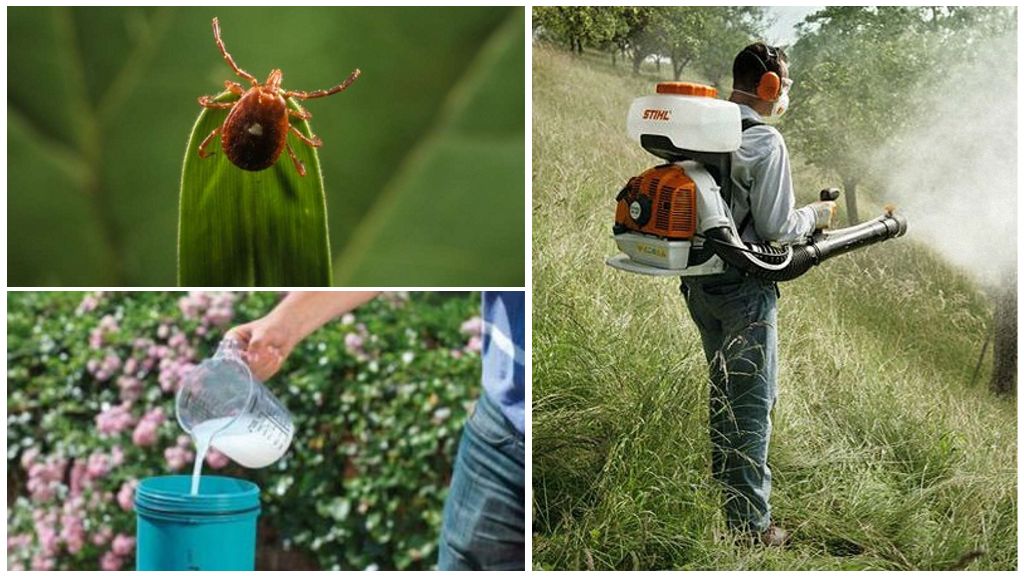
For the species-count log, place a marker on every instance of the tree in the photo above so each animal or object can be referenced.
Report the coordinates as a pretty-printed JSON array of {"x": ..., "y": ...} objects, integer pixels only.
[
  {"x": 1004, "y": 352},
  {"x": 727, "y": 29},
  {"x": 681, "y": 31},
  {"x": 852, "y": 68},
  {"x": 575, "y": 26}
]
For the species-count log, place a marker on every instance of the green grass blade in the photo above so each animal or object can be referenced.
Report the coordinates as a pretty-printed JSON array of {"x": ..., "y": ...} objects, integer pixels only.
[{"x": 241, "y": 228}]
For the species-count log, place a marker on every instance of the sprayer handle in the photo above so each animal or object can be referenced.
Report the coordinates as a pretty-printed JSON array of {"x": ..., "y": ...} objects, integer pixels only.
[{"x": 829, "y": 194}]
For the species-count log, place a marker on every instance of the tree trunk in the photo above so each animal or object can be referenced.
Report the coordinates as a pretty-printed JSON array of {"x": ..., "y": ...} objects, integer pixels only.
[
  {"x": 638, "y": 59},
  {"x": 1004, "y": 353},
  {"x": 657, "y": 64},
  {"x": 850, "y": 191},
  {"x": 678, "y": 64},
  {"x": 614, "y": 63}
]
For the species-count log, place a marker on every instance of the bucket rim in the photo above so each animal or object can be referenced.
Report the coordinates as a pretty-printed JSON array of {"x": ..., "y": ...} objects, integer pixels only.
[{"x": 170, "y": 495}]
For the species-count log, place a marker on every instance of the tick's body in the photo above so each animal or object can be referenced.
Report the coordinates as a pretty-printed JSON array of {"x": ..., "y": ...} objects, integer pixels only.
[{"x": 256, "y": 130}]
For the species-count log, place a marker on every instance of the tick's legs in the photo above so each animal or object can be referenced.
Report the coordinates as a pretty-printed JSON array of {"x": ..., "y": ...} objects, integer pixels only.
[
  {"x": 315, "y": 142},
  {"x": 208, "y": 102},
  {"x": 321, "y": 93},
  {"x": 234, "y": 87},
  {"x": 295, "y": 159},
  {"x": 202, "y": 146},
  {"x": 228, "y": 58},
  {"x": 301, "y": 114}
]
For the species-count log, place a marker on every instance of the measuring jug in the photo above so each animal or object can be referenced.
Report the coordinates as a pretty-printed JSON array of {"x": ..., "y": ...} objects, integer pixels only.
[{"x": 220, "y": 401}]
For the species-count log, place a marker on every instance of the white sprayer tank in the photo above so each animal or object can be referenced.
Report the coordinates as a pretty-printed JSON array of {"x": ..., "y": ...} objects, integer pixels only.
[
  {"x": 689, "y": 115},
  {"x": 692, "y": 119}
]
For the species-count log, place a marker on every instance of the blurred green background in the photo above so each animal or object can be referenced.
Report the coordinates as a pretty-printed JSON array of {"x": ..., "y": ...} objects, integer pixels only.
[{"x": 423, "y": 156}]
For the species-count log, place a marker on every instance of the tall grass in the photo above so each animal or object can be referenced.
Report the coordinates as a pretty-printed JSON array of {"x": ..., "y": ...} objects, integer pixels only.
[{"x": 883, "y": 456}]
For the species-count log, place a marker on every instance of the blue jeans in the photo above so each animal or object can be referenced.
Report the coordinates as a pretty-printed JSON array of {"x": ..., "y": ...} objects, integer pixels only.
[
  {"x": 736, "y": 316},
  {"x": 485, "y": 513}
]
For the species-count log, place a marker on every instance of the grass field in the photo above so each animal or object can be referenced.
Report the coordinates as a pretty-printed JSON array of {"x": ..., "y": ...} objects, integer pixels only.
[{"x": 883, "y": 454}]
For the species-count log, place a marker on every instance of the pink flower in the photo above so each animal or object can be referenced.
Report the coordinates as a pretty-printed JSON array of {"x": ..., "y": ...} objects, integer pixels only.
[
  {"x": 99, "y": 465},
  {"x": 178, "y": 340},
  {"x": 163, "y": 331},
  {"x": 40, "y": 562},
  {"x": 89, "y": 303},
  {"x": 456, "y": 353},
  {"x": 126, "y": 495},
  {"x": 44, "y": 478},
  {"x": 131, "y": 366},
  {"x": 111, "y": 561},
  {"x": 105, "y": 369},
  {"x": 102, "y": 536},
  {"x": 73, "y": 530},
  {"x": 353, "y": 342},
  {"x": 131, "y": 388},
  {"x": 116, "y": 456},
  {"x": 216, "y": 459},
  {"x": 97, "y": 337},
  {"x": 15, "y": 541},
  {"x": 474, "y": 344},
  {"x": 177, "y": 457},
  {"x": 145, "y": 433},
  {"x": 221, "y": 310},
  {"x": 48, "y": 539},
  {"x": 29, "y": 457},
  {"x": 123, "y": 545},
  {"x": 472, "y": 327},
  {"x": 79, "y": 478},
  {"x": 192, "y": 306},
  {"x": 114, "y": 419}
]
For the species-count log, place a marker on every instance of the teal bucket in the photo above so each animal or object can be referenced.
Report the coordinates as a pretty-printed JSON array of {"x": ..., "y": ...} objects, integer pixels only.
[{"x": 213, "y": 530}]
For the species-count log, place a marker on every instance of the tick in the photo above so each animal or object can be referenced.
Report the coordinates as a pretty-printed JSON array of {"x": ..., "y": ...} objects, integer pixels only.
[{"x": 256, "y": 129}]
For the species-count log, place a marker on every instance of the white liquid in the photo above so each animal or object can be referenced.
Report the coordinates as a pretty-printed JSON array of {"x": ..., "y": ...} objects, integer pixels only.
[{"x": 251, "y": 441}]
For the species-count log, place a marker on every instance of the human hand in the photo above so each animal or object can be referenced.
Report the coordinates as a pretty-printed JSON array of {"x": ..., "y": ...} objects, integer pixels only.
[
  {"x": 267, "y": 343},
  {"x": 824, "y": 213}
]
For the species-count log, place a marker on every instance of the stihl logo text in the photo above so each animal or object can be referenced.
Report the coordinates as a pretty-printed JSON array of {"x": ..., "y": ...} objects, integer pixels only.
[{"x": 653, "y": 114}]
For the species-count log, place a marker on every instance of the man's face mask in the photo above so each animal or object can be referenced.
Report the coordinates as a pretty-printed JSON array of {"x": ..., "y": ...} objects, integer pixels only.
[{"x": 780, "y": 106}]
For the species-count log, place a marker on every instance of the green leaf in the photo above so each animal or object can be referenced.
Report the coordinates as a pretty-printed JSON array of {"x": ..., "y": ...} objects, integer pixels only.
[
  {"x": 242, "y": 228},
  {"x": 457, "y": 199}
]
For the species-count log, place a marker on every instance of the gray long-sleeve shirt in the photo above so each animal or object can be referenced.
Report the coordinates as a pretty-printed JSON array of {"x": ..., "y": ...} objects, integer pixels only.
[{"x": 762, "y": 185}]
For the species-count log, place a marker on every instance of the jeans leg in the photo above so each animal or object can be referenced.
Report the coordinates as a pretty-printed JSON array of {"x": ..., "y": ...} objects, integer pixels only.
[
  {"x": 485, "y": 513},
  {"x": 737, "y": 321},
  {"x": 749, "y": 361}
]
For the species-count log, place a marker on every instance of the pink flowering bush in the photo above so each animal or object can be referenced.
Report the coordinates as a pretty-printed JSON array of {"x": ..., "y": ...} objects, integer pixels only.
[{"x": 379, "y": 398}]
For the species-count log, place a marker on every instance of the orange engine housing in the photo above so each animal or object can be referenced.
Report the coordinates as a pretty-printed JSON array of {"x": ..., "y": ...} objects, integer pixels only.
[{"x": 662, "y": 201}]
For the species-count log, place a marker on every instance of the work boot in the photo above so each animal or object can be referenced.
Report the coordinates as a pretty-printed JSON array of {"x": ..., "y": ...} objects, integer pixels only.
[{"x": 773, "y": 537}]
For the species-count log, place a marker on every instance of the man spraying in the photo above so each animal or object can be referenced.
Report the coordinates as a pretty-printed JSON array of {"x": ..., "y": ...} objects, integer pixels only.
[{"x": 736, "y": 313}]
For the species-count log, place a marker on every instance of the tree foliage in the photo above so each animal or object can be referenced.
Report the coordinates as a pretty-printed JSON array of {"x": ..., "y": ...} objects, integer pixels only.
[{"x": 708, "y": 35}]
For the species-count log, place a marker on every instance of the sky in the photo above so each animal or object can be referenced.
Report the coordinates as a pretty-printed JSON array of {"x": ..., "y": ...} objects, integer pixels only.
[{"x": 783, "y": 31}]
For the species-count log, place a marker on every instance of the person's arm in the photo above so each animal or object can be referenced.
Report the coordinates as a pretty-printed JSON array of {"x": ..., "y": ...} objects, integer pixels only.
[
  {"x": 269, "y": 340},
  {"x": 772, "y": 201}
]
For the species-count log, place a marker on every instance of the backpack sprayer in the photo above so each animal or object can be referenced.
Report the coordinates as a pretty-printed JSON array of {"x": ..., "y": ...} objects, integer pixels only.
[{"x": 674, "y": 219}]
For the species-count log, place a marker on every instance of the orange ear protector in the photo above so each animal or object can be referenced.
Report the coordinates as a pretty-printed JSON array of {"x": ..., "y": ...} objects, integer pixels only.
[{"x": 769, "y": 87}]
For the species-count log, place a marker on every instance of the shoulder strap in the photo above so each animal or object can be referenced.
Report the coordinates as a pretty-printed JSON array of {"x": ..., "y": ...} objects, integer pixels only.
[{"x": 747, "y": 124}]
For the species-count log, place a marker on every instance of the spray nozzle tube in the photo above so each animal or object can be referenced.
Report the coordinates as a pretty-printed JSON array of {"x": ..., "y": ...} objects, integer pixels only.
[{"x": 779, "y": 265}]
